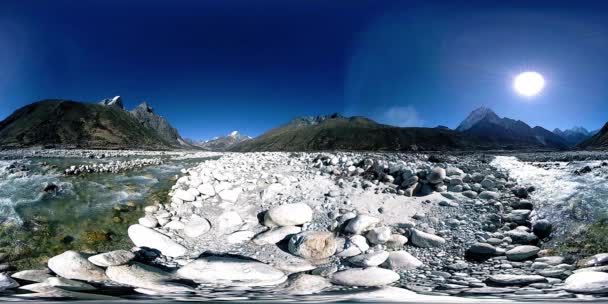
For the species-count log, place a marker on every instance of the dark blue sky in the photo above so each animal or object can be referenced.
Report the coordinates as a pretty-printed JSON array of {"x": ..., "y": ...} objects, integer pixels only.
[{"x": 211, "y": 67}]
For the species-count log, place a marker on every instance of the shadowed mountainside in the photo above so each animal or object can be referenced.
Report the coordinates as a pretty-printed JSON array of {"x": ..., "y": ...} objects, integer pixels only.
[
  {"x": 70, "y": 124},
  {"x": 597, "y": 141},
  {"x": 353, "y": 133}
]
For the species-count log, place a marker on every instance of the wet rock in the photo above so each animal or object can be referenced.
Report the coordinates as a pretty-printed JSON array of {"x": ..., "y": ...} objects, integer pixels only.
[
  {"x": 73, "y": 265},
  {"x": 425, "y": 240},
  {"x": 521, "y": 253},
  {"x": 401, "y": 260},
  {"x": 231, "y": 271},
  {"x": 371, "y": 276},
  {"x": 146, "y": 237},
  {"x": 290, "y": 214},
  {"x": 587, "y": 282},
  {"x": 112, "y": 258},
  {"x": 542, "y": 228},
  {"x": 313, "y": 245}
]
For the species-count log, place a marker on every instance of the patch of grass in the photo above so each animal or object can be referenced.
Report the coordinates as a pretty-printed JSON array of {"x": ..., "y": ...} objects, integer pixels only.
[{"x": 593, "y": 241}]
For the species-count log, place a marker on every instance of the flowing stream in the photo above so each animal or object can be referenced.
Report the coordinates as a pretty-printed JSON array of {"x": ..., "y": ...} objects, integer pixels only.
[
  {"x": 568, "y": 200},
  {"x": 90, "y": 212}
]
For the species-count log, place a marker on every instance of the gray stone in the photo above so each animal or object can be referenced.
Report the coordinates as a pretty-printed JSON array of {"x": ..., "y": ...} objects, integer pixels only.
[
  {"x": 276, "y": 235},
  {"x": 7, "y": 282},
  {"x": 73, "y": 265},
  {"x": 305, "y": 284},
  {"x": 196, "y": 227},
  {"x": 146, "y": 237},
  {"x": 34, "y": 275},
  {"x": 521, "y": 253},
  {"x": 352, "y": 246},
  {"x": 290, "y": 214},
  {"x": 516, "y": 280},
  {"x": 184, "y": 195},
  {"x": 231, "y": 271},
  {"x": 489, "y": 195},
  {"x": 313, "y": 245},
  {"x": 144, "y": 276},
  {"x": 112, "y": 258},
  {"x": 369, "y": 259},
  {"x": 436, "y": 176},
  {"x": 587, "y": 282},
  {"x": 360, "y": 224},
  {"x": 425, "y": 240},
  {"x": 367, "y": 277},
  {"x": 401, "y": 260},
  {"x": 378, "y": 235}
]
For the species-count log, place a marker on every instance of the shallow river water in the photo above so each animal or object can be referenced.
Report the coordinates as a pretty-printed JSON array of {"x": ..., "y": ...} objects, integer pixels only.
[
  {"x": 89, "y": 212},
  {"x": 568, "y": 200}
]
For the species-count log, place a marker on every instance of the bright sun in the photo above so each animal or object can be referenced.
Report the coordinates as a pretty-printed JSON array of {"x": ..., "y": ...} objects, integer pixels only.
[{"x": 529, "y": 83}]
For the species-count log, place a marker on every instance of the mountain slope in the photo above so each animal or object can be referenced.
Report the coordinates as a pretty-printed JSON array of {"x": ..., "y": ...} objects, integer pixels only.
[
  {"x": 597, "y": 141},
  {"x": 70, "y": 124},
  {"x": 508, "y": 133},
  {"x": 146, "y": 116},
  {"x": 334, "y": 132},
  {"x": 574, "y": 136},
  {"x": 222, "y": 143}
]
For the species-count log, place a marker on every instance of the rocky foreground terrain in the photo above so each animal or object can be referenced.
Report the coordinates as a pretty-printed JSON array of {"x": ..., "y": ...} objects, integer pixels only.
[{"x": 308, "y": 223}]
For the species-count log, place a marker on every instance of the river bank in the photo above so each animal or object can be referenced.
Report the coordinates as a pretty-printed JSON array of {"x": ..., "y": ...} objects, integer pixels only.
[{"x": 309, "y": 223}]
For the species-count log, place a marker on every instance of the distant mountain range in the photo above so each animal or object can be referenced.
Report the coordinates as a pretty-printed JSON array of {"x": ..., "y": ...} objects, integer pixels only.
[
  {"x": 70, "y": 124},
  {"x": 222, "y": 143},
  {"x": 335, "y": 132},
  {"x": 574, "y": 136},
  {"x": 598, "y": 141},
  {"x": 509, "y": 133}
]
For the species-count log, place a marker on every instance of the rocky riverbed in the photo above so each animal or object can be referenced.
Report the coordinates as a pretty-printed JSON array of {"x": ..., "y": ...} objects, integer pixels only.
[{"x": 333, "y": 226}]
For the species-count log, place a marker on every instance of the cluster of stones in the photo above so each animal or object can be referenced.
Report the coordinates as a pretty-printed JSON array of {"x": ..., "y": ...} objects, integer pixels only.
[
  {"x": 113, "y": 166},
  {"x": 286, "y": 220}
]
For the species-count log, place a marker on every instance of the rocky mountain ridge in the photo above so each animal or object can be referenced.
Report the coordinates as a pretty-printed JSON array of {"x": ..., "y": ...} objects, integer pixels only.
[
  {"x": 70, "y": 124},
  {"x": 508, "y": 133},
  {"x": 221, "y": 143}
]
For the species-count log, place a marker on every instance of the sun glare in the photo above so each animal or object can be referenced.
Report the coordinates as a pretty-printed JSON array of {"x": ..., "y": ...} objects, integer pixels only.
[{"x": 529, "y": 83}]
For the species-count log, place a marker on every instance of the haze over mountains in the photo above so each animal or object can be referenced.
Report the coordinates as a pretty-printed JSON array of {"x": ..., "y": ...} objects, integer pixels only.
[
  {"x": 62, "y": 123},
  {"x": 221, "y": 143}
]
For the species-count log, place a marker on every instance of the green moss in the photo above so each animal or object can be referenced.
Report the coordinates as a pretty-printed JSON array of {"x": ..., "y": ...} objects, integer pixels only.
[{"x": 593, "y": 241}]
